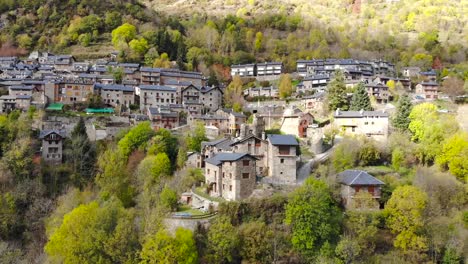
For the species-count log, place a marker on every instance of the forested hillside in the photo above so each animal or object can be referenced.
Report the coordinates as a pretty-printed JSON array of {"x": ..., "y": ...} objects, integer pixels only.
[{"x": 200, "y": 34}]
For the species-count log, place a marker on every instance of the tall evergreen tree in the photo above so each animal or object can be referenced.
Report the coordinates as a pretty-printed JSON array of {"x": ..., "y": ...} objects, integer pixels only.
[
  {"x": 401, "y": 119},
  {"x": 80, "y": 153},
  {"x": 337, "y": 93},
  {"x": 360, "y": 100},
  {"x": 181, "y": 52}
]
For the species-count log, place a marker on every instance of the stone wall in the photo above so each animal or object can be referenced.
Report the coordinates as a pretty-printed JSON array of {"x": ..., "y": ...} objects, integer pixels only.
[{"x": 282, "y": 168}]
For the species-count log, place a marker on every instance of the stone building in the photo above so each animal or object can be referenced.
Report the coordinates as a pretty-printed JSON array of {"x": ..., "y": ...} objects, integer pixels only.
[
  {"x": 231, "y": 176},
  {"x": 116, "y": 94},
  {"x": 163, "y": 117},
  {"x": 373, "y": 124},
  {"x": 355, "y": 181},
  {"x": 428, "y": 90},
  {"x": 52, "y": 145},
  {"x": 255, "y": 146},
  {"x": 281, "y": 158},
  {"x": 295, "y": 122},
  {"x": 156, "y": 95}
]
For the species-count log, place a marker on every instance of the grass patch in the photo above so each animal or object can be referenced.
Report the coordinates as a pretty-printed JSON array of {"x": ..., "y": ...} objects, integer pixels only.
[
  {"x": 201, "y": 192},
  {"x": 187, "y": 209}
]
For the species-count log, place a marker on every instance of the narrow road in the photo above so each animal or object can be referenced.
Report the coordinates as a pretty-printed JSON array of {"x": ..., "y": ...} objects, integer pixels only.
[{"x": 304, "y": 172}]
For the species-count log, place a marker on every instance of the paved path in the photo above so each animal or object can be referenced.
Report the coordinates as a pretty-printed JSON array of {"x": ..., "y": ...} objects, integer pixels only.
[{"x": 304, "y": 172}]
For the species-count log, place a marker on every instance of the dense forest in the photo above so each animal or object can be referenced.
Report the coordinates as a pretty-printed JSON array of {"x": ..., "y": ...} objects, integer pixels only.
[{"x": 208, "y": 36}]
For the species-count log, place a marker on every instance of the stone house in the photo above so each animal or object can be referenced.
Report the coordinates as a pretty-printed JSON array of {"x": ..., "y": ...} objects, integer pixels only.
[
  {"x": 314, "y": 102},
  {"x": 295, "y": 122},
  {"x": 235, "y": 120},
  {"x": 156, "y": 95},
  {"x": 428, "y": 76},
  {"x": 231, "y": 176},
  {"x": 150, "y": 76},
  {"x": 52, "y": 145},
  {"x": 178, "y": 76},
  {"x": 428, "y": 90},
  {"x": 373, "y": 124},
  {"x": 116, "y": 94},
  {"x": 281, "y": 158},
  {"x": 194, "y": 160},
  {"x": 69, "y": 91},
  {"x": 211, "y": 98},
  {"x": 163, "y": 117},
  {"x": 219, "y": 121},
  {"x": 7, "y": 103},
  {"x": 355, "y": 181},
  {"x": 211, "y": 148},
  {"x": 411, "y": 71},
  {"x": 313, "y": 83},
  {"x": 255, "y": 146},
  {"x": 379, "y": 91},
  {"x": 15, "y": 90}
]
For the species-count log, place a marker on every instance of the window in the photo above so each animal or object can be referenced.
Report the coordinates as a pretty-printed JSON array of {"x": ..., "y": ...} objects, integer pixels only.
[
  {"x": 223, "y": 175},
  {"x": 230, "y": 175},
  {"x": 224, "y": 187},
  {"x": 245, "y": 175},
  {"x": 284, "y": 150},
  {"x": 281, "y": 161},
  {"x": 208, "y": 171},
  {"x": 366, "y": 123},
  {"x": 246, "y": 163},
  {"x": 230, "y": 188}
]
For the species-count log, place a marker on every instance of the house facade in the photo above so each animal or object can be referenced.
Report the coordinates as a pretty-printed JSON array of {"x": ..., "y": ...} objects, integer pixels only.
[
  {"x": 356, "y": 181},
  {"x": 116, "y": 94},
  {"x": 281, "y": 158},
  {"x": 163, "y": 117},
  {"x": 231, "y": 176},
  {"x": 156, "y": 96},
  {"x": 373, "y": 124},
  {"x": 52, "y": 145},
  {"x": 429, "y": 90}
]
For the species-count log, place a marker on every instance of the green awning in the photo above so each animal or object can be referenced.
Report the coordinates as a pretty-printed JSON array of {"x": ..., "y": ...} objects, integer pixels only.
[
  {"x": 99, "y": 110},
  {"x": 55, "y": 107}
]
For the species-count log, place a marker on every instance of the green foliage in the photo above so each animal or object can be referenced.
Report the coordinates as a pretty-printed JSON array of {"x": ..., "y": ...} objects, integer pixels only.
[
  {"x": 113, "y": 178},
  {"x": 404, "y": 213},
  {"x": 169, "y": 198},
  {"x": 223, "y": 241},
  {"x": 9, "y": 222},
  {"x": 122, "y": 35},
  {"x": 313, "y": 216},
  {"x": 163, "y": 248},
  {"x": 454, "y": 156},
  {"x": 95, "y": 234},
  {"x": 195, "y": 139},
  {"x": 233, "y": 93},
  {"x": 397, "y": 158},
  {"x": 285, "y": 86},
  {"x": 80, "y": 153},
  {"x": 256, "y": 242},
  {"x": 155, "y": 167},
  {"x": 345, "y": 155},
  {"x": 368, "y": 153},
  {"x": 336, "y": 96},
  {"x": 401, "y": 119},
  {"x": 139, "y": 46},
  {"x": 360, "y": 99},
  {"x": 137, "y": 137}
]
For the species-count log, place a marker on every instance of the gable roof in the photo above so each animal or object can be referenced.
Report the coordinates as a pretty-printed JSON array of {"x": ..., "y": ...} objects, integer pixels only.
[
  {"x": 219, "y": 158},
  {"x": 223, "y": 143},
  {"x": 351, "y": 114},
  {"x": 245, "y": 139},
  {"x": 358, "y": 177},
  {"x": 282, "y": 140},
  {"x": 45, "y": 133}
]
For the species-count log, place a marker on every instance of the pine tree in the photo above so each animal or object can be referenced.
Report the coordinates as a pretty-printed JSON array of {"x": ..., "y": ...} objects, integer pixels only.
[
  {"x": 181, "y": 51},
  {"x": 337, "y": 93},
  {"x": 79, "y": 129},
  {"x": 360, "y": 100},
  {"x": 401, "y": 120}
]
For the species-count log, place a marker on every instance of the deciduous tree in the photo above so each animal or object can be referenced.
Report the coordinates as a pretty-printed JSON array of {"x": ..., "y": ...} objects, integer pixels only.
[
  {"x": 313, "y": 216},
  {"x": 285, "y": 86},
  {"x": 404, "y": 213}
]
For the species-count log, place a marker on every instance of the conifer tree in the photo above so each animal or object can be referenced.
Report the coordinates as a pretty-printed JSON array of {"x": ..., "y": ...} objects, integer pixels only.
[
  {"x": 360, "y": 99},
  {"x": 401, "y": 120},
  {"x": 337, "y": 93}
]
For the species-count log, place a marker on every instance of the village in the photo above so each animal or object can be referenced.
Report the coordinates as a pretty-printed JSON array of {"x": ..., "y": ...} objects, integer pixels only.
[{"x": 244, "y": 151}]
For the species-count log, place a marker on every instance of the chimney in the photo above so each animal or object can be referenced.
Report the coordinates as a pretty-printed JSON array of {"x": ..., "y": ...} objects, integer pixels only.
[
  {"x": 263, "y": 135},
  {"x": 337, "y": 112}
]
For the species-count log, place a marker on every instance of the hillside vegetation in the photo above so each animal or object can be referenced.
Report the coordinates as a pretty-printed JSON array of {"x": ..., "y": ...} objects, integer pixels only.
[{"x": 201, "y": 34}]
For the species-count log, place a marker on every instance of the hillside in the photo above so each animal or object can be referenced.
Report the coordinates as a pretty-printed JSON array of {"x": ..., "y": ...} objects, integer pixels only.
[{"x": 209, "y": 36}]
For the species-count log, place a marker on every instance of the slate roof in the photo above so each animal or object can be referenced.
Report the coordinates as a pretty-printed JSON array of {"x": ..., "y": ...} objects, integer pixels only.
[
  {"x": 118, "y": 87},
  {"x": 222, "y": 157},
  {"x": 282, "y": 140},
  {"x": 358, "y": 177},
  {"x": 45, "y": 133},
  {"x": 223, "y": 143},
  {"x": 23, "y": 97},
  {"x": 357, "y": 114},
  {"x": 21, "y": 87},
  {"x": 158, "y": 88}
]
